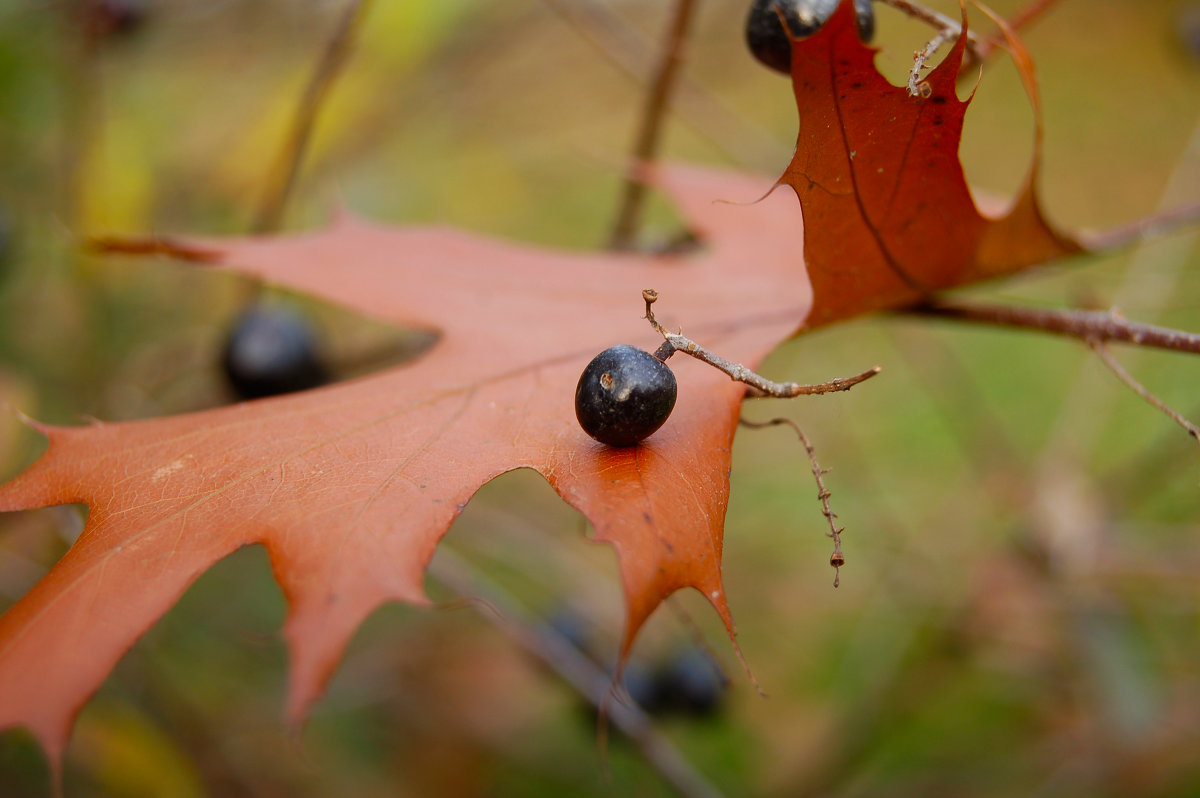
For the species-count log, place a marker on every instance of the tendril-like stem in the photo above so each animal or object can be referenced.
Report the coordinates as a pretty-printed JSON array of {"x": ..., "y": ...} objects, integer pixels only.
[{"x": 837, "y": 559}]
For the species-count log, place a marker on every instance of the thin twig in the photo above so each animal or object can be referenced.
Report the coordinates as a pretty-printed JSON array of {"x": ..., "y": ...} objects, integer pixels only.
[
  {"x": 333, "y": 58},
  {"x": 917, "y": 87},
  {"x": 947, "y": 29},
  {"x": 921, "y": 13},
  {"x": 677, "y": 342},
  {"x": 978, "y": 50},
  {"x": 1152, "y": 226},
  {"x": 1022, "y": 19},
  {"x": 837, "y": 560},
  {"x": 577, "y": 670},
  {"x": 742, "y": 140},
  {"x": 1087, "y": 325},
  {"x": 1124, "y": 376},
  {"x": 633, "y": 194}
]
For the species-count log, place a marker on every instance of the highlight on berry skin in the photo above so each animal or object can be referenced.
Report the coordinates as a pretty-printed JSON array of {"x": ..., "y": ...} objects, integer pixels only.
[{"x": 624, "y": 395}]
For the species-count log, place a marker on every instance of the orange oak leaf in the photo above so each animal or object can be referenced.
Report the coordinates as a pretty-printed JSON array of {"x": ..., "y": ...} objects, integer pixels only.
[
  {"x": 888, "y": 215},
  {"x": 351, "y": 487}
]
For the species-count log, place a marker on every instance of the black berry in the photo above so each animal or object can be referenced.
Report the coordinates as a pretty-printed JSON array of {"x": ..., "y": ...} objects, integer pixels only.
[
  {"x": 644, "y": 687},
  {"x": 271, "y": 351},
  {"x": 692, "y": 682},
  {"x": 624, "y": 395},
  {"x": 769, "y": 42}
]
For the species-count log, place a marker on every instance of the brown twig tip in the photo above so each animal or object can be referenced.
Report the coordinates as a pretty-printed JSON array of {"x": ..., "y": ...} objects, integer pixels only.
[
  {"x": 150, "y": 246},
  {"x": 837, "y": 561},
  {"x": 678, "y": 342}
]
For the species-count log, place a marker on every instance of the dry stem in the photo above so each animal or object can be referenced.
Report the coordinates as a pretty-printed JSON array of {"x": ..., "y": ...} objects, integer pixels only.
[
  {"x": 598, "y": 23},
  {"x": 1124, "y": 376},
  {"x": 947, "y": 29},
  {"x": 677, "y": 342},
  {"x": 1147, "y": 227},
  {"x": 1087, "y": 325},
  {"x": 837, "y": 560},
  {"x": 1021, "y": 19},
  {"x": 633, "y": 194},
  {"x": 977, "y": 50},
  {"x": 333, "y": 58}
]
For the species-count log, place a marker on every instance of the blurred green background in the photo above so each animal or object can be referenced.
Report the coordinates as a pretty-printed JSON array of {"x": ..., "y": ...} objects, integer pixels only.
[{"x": 1019, "y": 614}]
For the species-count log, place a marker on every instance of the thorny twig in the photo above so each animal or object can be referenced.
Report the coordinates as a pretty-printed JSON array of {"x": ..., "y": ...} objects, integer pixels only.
[
  {"x": 1124, "y": 376},
  {"x": 677, "y": 342},
  {"x": 916, "y": 86},
  {"x": 543, "y": 642},
  {"x": 634, "y": 192},
  {"x": 333, "y": 58},
  {"x": 947, "y": 29},
  {"x": 977, "y": 50},
  {"x": 837, "y": 560}
]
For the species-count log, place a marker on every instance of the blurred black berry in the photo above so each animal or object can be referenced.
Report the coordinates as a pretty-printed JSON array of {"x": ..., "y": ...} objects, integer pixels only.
[
  {"x": 270, "y": 351},
  {"x": 692, "y": 683}
]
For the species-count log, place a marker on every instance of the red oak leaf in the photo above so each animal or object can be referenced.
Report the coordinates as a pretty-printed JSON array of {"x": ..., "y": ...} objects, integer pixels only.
[{"x": 888, "y": 215}]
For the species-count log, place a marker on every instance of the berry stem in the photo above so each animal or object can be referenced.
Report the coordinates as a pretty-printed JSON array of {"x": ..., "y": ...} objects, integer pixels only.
[{"x": 678, "y": 342}]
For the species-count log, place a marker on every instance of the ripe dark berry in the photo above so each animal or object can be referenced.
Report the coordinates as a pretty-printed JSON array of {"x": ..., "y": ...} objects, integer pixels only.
[
  {"x": 769, "y": 42},
  {"x": 624, "y": 395},
  {"x": 693, "y": 682},
  {"x": 272, "y": 351},
  {"x": 643, "y": 687}
]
